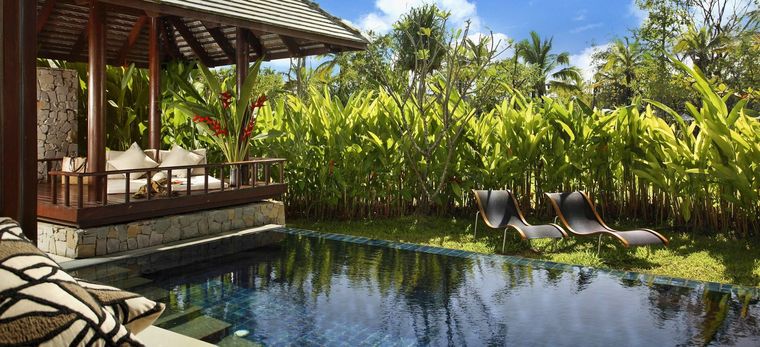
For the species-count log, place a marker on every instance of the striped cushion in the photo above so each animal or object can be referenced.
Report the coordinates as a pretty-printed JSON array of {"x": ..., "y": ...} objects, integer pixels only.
[
  {"x": 40, "y": 304},
  {"x": 132, "y": 310}
]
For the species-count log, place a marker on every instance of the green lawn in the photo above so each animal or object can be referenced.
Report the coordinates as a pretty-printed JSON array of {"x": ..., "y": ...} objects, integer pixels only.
[{"x": 707, "y": 258}]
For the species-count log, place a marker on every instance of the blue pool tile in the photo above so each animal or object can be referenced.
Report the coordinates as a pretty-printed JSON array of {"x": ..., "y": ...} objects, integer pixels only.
[
  {"x": 712, "y": 286},
  {"x": 661, "y": 280}
]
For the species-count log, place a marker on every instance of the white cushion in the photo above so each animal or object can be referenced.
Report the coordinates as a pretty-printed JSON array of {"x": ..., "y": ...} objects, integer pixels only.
[
  {"x": 118, "y": 186},
  {"x": 133, "y": 158},
  {"x": 199, "y": 171},
  {"x": 180, "y": 185},
  {"x": 111, "y": 155},
  {"x": 179, "y": 156}
]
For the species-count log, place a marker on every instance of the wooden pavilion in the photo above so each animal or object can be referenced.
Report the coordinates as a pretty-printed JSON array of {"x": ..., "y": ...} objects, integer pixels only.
[{"x": 147, "y": 33}]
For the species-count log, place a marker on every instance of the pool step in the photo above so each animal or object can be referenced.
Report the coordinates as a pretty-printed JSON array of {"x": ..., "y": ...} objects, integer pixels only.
[
  {"x": 104, "y": 275},
  {"x": 154, "y": 293},
  {"x": 204, "y": 328},
  {"x": 129, "y": 284},
  {"x": 234, "y": 341},
  {"x": 172, "y": 318}
]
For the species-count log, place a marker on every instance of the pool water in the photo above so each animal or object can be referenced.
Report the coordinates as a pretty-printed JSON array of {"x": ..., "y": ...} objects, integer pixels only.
[{"x": 316, "y": 291}]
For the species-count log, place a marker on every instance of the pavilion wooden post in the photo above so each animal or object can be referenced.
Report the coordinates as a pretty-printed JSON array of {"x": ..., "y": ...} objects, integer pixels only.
[
  {"x": 154, "y": 65},
  {"x": 18, "y": 113},
  {"x": 242, "y": 50},
  {"x": 96, "y": 94}
]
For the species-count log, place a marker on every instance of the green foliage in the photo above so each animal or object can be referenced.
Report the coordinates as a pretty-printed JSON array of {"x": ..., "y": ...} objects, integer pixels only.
[
  {"x": 347, "y": 159},
  {"x": 537, "y": 53},
  {"x": 419, "y": 35},
  {"x": 226, "y": 120},
  {"x": 128, "y": 102}
]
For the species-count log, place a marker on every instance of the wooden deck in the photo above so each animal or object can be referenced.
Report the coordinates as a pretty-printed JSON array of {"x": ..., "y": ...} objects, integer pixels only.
[{"x": 79, "y": 206}]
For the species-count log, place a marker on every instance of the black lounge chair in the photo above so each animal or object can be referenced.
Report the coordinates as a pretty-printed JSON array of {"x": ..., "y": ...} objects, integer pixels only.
[
  {"x": 499, "y": 209},
  {"x": 579, "y": 216}
]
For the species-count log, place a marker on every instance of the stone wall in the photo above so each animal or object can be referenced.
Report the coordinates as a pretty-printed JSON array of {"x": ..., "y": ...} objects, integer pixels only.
[
  {"x": 85, "y": 243},
  {"x": 57, "y": 109}
]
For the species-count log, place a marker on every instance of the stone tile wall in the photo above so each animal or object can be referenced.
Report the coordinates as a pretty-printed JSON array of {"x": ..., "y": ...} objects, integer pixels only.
[
  {"x": 57, "y": 109},
  {"x": 85, "y": 243}
]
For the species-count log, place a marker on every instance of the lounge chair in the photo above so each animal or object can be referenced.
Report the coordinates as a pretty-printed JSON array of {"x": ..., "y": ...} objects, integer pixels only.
[
  {"x": 579, "y": 216},
  {"x": 499, "y": 209}
]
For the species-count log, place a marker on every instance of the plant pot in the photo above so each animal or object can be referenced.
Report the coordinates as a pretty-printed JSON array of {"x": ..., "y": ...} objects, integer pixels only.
[{"x": 233, "y": 176}]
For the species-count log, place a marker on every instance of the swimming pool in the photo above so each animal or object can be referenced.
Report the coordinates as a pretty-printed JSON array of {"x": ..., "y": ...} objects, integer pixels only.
[{"x": 348, "y": 291}]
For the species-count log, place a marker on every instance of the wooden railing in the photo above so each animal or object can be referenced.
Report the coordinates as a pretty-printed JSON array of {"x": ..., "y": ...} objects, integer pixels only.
[{"x": 256, "y": 172}]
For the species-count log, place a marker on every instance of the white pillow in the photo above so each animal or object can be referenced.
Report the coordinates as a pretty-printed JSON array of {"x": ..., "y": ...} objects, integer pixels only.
[
  {"x": 112, "y": 155},
  {"x": 179, "y": 156},
  {"x": 133, "y": 158},
  {"x": 162, "y": 155}
]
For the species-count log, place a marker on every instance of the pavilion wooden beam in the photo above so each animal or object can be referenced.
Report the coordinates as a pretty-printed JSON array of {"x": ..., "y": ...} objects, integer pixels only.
[
  {"x": 167, "y": 31},
  {"x": 222, "y": 41},
  {"x": 18, "y": 113},
  {"x": 292, "y": 45},
  {"x": 96, "y": 94},
  {"x": 169, "y": 9},
  {"x": 132, "y": 38},
  {"x": 197, "y": 48},
  {"x": 241, "y": 60},
  {"x": 255, "y": 43},
  {"x": 44, "y": 14},
  {"x": 154, "y": 67},
  {"x": 286, "y": 54}
]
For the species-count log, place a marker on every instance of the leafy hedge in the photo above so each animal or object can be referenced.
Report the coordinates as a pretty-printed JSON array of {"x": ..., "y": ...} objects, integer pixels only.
[{"x": 349, "y": 160}]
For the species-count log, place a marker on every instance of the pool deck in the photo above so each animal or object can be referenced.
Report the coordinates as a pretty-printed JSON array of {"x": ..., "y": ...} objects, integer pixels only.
[{"x": 158, "y": 337}]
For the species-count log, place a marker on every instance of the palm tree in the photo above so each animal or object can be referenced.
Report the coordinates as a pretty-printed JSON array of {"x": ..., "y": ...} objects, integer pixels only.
[
  {"x": 537, "y": 53},
  {"x": 703, "y": 47},
  {"x": 419, "y": 36},
  {"x": 623, "y": 58}
]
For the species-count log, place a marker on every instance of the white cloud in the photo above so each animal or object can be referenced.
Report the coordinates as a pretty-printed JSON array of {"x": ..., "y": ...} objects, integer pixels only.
[
  {"x": 583, "y": 28},
  {"x": 636, "y": 12},
  {"x": 580, "y": 15},
  {"x": 388, "y": 12},
  {"x": 584, "y": 62},
  {"x": 500, "y": 40},
  {"x": 281, "y": 65}
]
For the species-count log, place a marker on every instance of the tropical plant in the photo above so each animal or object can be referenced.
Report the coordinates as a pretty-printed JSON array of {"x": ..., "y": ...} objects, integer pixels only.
[
  {"x": 420, "y": 38},
  {"x": 348, "y": 159},
  {"x": 128, "y": 102},
  {"x": 702, "y": 47},
  {"x": 227, "y": 119},
  {"x": 435, "y": 101},
  {"x": 624, "y": 57},
  {"x": 537, "y": 53}
]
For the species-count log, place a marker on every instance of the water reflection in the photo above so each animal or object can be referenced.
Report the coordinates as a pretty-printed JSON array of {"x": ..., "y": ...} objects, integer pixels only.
[{"x": 322, "y": 292}]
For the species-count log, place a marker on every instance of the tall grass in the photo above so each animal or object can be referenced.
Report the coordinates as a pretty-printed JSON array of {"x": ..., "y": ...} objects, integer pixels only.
[{"x": 346, "y": 159}]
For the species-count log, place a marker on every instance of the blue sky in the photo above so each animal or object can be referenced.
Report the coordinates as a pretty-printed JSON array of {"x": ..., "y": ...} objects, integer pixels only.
[{"x": 576, "y": 25}]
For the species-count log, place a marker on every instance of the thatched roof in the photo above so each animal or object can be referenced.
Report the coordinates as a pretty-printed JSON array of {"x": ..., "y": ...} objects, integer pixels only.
[{"x": 195, "y": 29}]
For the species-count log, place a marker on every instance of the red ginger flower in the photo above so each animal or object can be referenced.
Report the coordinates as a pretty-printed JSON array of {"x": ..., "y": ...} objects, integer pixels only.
[
  {"x": 226, "y": 98},
  {"x": 259, "y": 102},
  {"x": 213, "y": 124}
]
